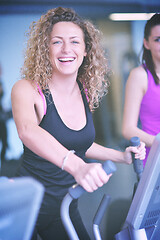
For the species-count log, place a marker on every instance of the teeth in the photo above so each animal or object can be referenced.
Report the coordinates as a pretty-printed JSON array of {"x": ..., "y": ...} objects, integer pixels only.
[{"x": 69, "y": 59}]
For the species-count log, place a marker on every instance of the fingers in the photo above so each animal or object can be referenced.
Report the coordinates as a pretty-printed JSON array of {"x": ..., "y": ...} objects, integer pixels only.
[
  {"x": 140, "y": 151},
  {"x": 95, "y": 177},
  {"x": 100, "y": 177}
]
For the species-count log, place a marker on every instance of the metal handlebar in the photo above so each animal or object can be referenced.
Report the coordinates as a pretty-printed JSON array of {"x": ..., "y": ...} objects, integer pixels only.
[{"x": 75, "y": 192}]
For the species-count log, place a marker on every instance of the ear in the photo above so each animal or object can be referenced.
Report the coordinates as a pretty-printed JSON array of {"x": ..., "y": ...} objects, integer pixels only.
[{"x": 146, "y": 44}]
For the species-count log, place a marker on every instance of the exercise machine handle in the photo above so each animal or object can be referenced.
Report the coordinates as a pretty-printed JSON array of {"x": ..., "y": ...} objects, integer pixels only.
[
  {"x": 76, "y": 190},
  {"x": 137, "y": 163},
  {"x": 74, "y": 193}
]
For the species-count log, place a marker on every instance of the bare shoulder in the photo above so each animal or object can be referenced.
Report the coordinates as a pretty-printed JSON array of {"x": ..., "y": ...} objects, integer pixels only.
[
  {"x": 25, "y": 97},
  {"x": 138, "y": 73},
  {"x": 138, "y": 77},
  {"x": 23, "y": 84},
  {"x": 23, "y": 87}
]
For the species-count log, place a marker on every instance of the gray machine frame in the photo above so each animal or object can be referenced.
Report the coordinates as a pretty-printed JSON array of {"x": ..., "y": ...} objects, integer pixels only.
[{"x": 143, "y": 219}]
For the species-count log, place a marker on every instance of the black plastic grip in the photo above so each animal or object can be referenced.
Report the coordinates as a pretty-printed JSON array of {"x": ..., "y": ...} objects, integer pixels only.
[
  {"x": 76, "y": 190},
  {"x": 135, "y": 141},
  {"x": 137, "y": 163}
]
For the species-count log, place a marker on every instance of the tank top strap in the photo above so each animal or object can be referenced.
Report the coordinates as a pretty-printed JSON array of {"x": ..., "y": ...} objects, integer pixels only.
[
  {"x": 150, "y": 76},
  {"x": 43, "y": 98}
]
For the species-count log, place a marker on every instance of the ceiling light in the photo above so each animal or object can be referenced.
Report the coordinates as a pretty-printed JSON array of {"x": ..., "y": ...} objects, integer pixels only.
[{"x": 130, "y": 16}]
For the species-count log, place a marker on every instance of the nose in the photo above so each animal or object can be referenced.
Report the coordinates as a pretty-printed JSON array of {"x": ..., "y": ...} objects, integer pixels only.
[{"x": 66, "y": 47}]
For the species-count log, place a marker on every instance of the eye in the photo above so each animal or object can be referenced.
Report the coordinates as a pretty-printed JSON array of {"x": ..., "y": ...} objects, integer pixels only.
[
  {"x": 157, "y": 39},
  {"x": 75, "y": 42},
  {"x": 56, "y": 42}
]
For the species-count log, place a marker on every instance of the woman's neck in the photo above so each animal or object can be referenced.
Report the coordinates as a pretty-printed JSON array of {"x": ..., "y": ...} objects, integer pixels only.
[{"x": 63, "y": 84}]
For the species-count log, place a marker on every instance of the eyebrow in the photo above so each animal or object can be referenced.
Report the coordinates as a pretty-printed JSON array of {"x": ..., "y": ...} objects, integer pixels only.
[
  {"x": 62, "y": 37},
  {"x": 156, "y": 36}
]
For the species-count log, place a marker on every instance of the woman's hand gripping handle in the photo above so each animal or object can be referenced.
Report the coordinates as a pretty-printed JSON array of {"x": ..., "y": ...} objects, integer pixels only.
[{"x": 76, "y": 190}]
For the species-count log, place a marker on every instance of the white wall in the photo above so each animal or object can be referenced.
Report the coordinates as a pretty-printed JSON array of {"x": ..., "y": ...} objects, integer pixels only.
[
  {"x": 137, "y": 28},
  {"x": 12, "y": 43}
]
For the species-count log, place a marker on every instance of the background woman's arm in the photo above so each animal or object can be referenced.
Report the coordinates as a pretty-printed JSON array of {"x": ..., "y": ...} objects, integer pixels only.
[
  {"x": 99, "y": 152},
  {"x": 136, "y": 88}
]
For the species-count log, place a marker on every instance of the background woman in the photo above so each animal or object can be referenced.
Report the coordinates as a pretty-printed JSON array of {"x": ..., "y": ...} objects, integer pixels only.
[{"x": 142, "y": 96}]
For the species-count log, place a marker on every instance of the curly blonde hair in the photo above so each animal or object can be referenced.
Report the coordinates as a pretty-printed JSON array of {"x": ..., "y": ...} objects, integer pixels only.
[{"x": 92, "y": 73}]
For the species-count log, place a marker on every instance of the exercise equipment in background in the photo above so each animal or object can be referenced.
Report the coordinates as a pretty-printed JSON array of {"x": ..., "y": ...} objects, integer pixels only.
[
  {"x": 143, "y": 219},
  {"x": 20, "y": 200}
]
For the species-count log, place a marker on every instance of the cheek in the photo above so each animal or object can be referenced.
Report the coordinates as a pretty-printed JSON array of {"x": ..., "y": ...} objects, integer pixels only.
[
  {"x": 156, "y": 48},
  {"x": 53, "y": 50},
  {"x": 52, "y": 59},
  {"x": 50, "y": 53},
  {"x": 82, "y": 56}
]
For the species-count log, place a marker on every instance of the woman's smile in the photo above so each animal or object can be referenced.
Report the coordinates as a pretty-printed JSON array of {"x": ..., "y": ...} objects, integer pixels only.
[{"x": 66, "y": 59}]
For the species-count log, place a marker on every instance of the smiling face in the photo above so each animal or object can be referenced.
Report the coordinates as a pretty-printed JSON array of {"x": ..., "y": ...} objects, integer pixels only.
[{"x": 67, "y": 48}]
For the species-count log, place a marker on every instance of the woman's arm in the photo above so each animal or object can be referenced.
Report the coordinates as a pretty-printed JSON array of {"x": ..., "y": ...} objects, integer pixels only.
[
  {"x": 34, "y": 137},
  {"x": 99, "y": 152},
  {"x": 136, "y": 88},
  {"x": 24, "y": 99}
]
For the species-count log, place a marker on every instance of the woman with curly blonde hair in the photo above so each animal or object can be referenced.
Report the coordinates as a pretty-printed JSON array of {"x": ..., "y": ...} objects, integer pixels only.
[
  {"x": 63, "y": 81},
  {"x": 94, "y": 69}
]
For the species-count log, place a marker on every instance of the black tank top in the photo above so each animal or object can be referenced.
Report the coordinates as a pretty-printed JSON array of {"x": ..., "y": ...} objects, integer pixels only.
[{"x": 55, "y": 180}]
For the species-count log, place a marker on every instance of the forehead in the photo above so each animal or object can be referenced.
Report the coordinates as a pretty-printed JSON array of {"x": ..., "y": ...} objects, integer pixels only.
[
  {"x": 155, "y": 31},
  {"x": 65, "y": 29}
]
